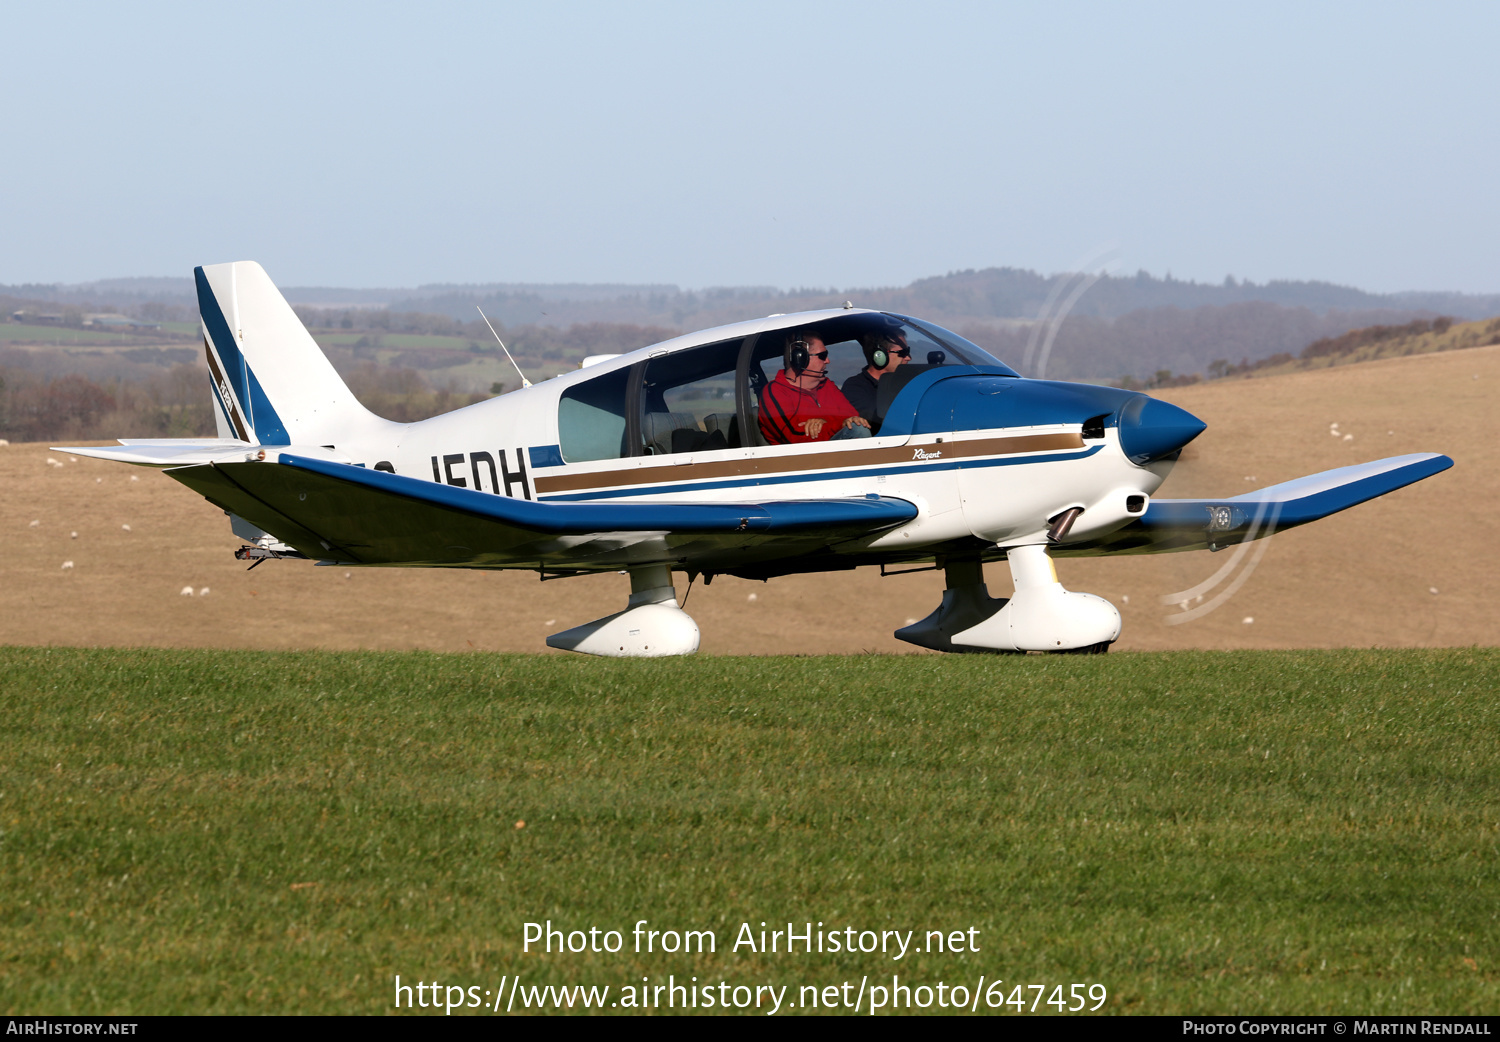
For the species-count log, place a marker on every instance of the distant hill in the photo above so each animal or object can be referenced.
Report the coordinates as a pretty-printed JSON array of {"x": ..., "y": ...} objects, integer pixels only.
[
  {"x": 1377, "y": 342},
  {"x": 998, "y": 296},
  {"x": 1182, "y": 341},
  {"x": 1120, "y": 326},
  {"x": 982, "y": 295}
]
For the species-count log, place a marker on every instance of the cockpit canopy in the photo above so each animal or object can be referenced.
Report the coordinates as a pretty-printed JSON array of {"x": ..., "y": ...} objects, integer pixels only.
[{"x": 707, "y": 398}]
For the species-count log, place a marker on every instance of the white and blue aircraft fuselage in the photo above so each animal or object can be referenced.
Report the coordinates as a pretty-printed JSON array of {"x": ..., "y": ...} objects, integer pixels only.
[{"x": 658, "y": 461}]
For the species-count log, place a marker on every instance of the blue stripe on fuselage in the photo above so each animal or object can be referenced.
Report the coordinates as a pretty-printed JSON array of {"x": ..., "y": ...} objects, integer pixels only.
[
  {"x": 546, "y": 456},
  {"x": 784, "y": 479}
]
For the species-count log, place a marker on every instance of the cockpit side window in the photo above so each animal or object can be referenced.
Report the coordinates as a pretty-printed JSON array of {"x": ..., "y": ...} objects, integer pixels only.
[
  {"x": 591, "y": 418},
  {"x": 688, "y": 401},
  {"x": 861, "y": 363},
  {"x": 768, "y": 359}
]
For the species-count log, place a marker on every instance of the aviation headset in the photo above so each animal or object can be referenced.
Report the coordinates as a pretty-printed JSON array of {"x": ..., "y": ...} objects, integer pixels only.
[
  {"x": 878, "y": 353},
  {"x": 796, "y": 355}
]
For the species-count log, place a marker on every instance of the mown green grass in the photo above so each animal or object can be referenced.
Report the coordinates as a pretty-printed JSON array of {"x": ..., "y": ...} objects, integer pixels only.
[{"x": 1209, "y": 832}]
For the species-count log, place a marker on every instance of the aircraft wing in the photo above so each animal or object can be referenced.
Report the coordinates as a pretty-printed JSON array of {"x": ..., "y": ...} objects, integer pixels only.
[
  {"x": 1196, "y": 524},
  {"x": 340, "y": 512}
]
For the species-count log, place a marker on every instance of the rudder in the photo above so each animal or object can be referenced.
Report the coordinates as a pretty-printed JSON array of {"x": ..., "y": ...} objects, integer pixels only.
[{"x": 272, "y": 384}]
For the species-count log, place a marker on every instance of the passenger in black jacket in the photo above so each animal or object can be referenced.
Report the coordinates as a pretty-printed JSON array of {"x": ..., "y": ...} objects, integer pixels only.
[{"x": 884, "y": 354}]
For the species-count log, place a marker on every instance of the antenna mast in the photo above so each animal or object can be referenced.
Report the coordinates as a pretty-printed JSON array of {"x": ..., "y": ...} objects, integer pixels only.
[{"x": 524, "y": 382}]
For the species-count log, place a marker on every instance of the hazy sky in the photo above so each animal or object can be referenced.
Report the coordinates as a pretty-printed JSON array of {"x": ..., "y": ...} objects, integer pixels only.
[{"x": 798, "y": 144}]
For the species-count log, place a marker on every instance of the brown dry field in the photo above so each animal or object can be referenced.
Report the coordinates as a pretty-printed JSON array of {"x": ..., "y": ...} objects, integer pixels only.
[{"x": 1362, "y": 578}]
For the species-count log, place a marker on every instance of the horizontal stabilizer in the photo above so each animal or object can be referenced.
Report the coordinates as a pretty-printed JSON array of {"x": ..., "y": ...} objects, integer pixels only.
[
  {"x": 343, "y": 512},
  {"x": 1197, "y": 524},
  {"x": 183, "y": 452},
  {"x": 165, "y": 452}
]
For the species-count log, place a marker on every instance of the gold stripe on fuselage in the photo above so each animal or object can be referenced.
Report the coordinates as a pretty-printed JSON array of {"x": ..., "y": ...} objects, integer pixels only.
[{"x": 843, "y": 459}]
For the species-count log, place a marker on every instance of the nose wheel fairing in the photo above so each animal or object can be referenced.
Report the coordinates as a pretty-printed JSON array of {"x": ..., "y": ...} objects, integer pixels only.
[{"x": 966, "y": 604}]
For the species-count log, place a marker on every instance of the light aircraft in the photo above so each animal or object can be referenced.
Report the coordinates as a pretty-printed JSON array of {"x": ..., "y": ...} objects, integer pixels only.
[{"x": 656, "y": 461}]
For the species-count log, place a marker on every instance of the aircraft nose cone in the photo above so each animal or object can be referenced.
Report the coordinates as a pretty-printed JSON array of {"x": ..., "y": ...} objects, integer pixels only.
[{"x": 1151, "y": 429}]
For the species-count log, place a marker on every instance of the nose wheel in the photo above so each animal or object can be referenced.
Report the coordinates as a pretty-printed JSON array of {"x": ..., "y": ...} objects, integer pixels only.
[{"x": 1093, "y": 649}]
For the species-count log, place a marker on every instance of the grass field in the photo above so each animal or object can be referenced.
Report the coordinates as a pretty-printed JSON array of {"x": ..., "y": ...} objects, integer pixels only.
[
  {"x": 212, "y": 831},
  {"x": 397, "y": 341},
  {"x": 64, "y": 336}
]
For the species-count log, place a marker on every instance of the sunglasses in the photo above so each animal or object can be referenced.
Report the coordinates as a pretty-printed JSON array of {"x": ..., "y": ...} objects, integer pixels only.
[
  {"x": 903, "y": 353},
  {"x": 820, "y": 355}
]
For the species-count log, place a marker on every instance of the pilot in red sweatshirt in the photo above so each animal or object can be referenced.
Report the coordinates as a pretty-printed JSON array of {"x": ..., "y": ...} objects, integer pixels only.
[{"x": 800, "y": 405}]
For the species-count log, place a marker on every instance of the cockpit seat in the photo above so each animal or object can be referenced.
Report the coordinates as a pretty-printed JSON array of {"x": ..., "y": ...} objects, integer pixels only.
[
  {"x": 728, "y": 424},
  {"x": 693, "y": 440},
  {"x": 659, "y": 428},
  {"x": 719, "y": 421}
]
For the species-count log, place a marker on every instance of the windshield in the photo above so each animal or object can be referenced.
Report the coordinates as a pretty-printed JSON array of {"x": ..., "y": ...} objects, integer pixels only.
[{"x": 967, "y": 351}]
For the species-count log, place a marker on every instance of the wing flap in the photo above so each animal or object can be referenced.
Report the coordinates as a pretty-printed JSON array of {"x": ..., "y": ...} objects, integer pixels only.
[{"x": 1197, "y": 524}]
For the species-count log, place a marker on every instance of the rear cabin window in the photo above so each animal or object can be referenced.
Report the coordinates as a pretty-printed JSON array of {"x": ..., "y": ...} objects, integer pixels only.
[
  {"x": 688, "y": 401},
  {"x": 591, "y": 418}
]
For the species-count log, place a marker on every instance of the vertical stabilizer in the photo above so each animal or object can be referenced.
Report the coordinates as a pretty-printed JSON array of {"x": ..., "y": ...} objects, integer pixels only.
[{"x": 272, "y": 383}]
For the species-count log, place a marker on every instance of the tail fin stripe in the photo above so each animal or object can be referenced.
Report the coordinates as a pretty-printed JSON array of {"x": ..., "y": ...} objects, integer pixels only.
[
  {"x": 221, "y": 394},
  {"x": 269, "y": 430}
]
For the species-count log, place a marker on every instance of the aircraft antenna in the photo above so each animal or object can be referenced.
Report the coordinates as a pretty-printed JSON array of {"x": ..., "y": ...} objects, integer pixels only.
[{"x": 524, "y": 382}]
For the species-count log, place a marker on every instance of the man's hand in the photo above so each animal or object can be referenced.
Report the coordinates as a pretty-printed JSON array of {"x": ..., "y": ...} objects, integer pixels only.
[{"x": 812, "y": 428}]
